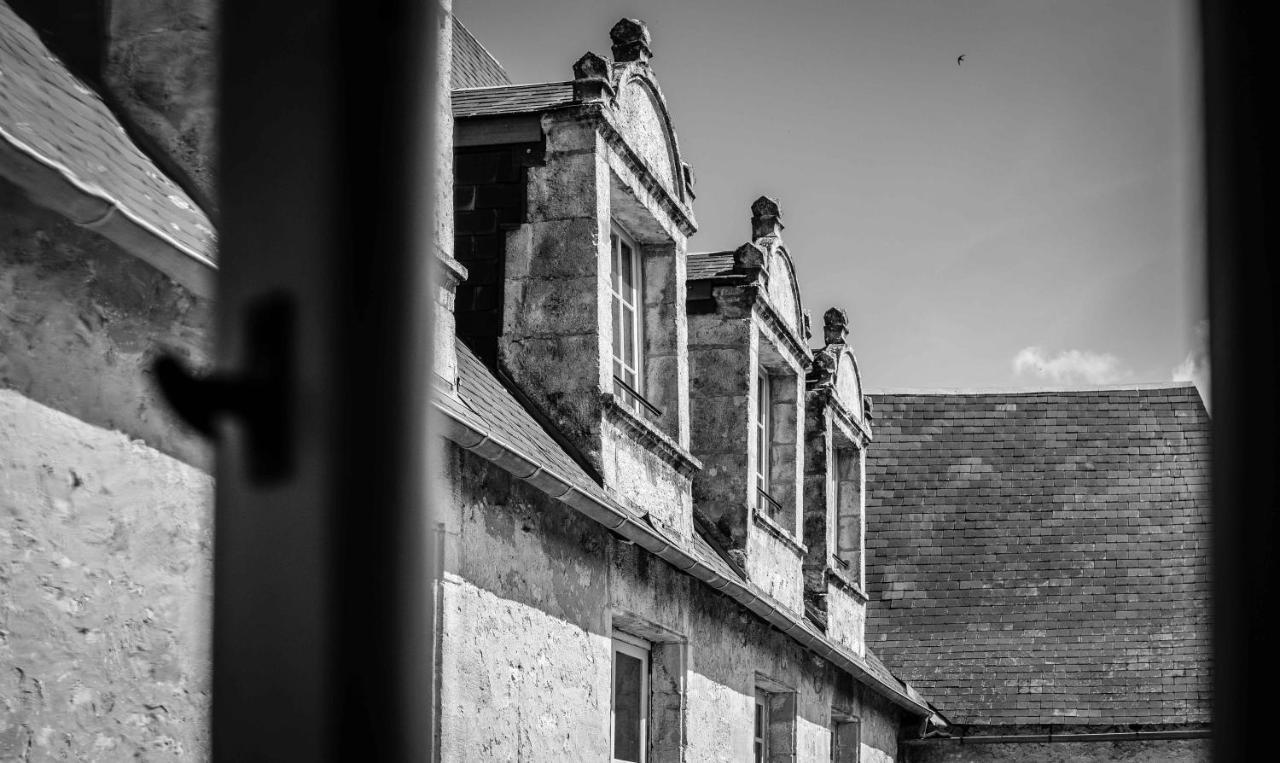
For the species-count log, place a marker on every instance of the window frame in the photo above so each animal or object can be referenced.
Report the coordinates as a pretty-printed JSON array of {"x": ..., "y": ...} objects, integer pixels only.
[
  {"x": 638, "y": 648},
  {"x": 618, "y": 303},
  {"x": 764, "y": 434},
  {"x": 846, "y": 454},
  {"x": 760, "y": 736}
]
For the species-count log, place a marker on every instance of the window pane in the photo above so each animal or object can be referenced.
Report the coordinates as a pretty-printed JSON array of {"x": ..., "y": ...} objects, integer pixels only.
[
  {"x": 614, "y": 267},
  {"x": 628, "y": 278},
  {"x": 628, "y": 683},
  {"x": 617, "y": 329},
  {"x": 628, "y": 337}
]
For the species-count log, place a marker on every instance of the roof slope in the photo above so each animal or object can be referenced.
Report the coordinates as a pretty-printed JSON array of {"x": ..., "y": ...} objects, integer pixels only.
[
  {"x": 1042, "y": 557},
  {"x": 511, "y": 99},
  {"x": 485, "y": 405},
  {"x": 473, "y": 64},
  {"x": 49, "y": 116}
]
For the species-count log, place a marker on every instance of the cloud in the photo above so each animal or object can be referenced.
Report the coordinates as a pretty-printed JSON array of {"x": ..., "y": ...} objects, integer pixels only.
[
  {"x": 1195, "y": 367},
  {"x": 1069, "y": 366}
]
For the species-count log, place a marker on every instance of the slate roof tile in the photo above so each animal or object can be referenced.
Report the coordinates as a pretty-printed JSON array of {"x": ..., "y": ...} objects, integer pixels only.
[
  {"x": 473, "y": 64},
  {"x": 511, "y": 99},
  {"x": 708, "y": 265},
  {"x": 1040, "y": 556},
  {"x": 48, "y": 114}
]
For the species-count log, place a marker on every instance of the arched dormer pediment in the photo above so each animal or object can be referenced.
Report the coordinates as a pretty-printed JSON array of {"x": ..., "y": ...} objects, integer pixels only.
[
  {"x": 642, "y": 118},
  {"x": 636, "y": 105},
  {"x": 784, "y": 290},
  {"x": 836, "y": 369}
]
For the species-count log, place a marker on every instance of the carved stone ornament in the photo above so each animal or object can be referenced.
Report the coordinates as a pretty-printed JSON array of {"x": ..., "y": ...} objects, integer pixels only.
[
  {"x": 631, "y": 41},
  {"x": 835, "y": 326}
]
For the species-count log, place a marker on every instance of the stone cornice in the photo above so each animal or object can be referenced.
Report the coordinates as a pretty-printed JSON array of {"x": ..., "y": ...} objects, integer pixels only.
[
  {"x": 763, "y": 521},
  {"x": 649, "y": 436},
  {"x": 597, "y": 114},
  {"x": 834, "y": 575},
  {"x": 825, "y": 395}
]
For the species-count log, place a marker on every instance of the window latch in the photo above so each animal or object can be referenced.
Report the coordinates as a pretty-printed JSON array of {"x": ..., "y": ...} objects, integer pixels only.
[{"x": 259, "y": 397}]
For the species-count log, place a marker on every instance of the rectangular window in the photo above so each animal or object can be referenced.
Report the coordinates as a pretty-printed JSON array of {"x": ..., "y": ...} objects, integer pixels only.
[
  {"x": 627, "y": 305},
  {"x": 764, "y": 437},
  {"x": 762, "y": 726},
  {"x": 848, "y": 490},
  {"x": 846, "y": 741},
  {"x": 630, "y": 711},
  {"x": 775, "y": 722}
]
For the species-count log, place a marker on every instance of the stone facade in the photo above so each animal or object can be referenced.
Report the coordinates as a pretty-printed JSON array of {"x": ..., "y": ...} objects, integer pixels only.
[{"x": 643, "y": 457}]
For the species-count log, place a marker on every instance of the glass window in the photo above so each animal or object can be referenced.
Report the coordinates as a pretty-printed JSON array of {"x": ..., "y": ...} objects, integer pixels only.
[
  {"x": 762, "y": 727},
  {"x": 848, "y": 489},
  {"x": 764, "y": 438},
  {"x": 630, "y": 713},
  {"x": 627, "y": 293}
]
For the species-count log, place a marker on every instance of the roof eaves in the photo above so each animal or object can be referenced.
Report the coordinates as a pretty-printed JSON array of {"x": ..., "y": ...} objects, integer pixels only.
[{"x": 467, "y": 432}]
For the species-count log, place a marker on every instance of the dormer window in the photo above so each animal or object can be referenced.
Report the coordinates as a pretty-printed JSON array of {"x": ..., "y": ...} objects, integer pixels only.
[
  {"x": 764, "y": 439},
  {"x": 626, "y": 275},
  {"x": 847, "y": 478}
]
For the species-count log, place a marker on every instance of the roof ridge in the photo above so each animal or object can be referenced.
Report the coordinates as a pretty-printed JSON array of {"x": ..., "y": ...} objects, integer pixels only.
[{"x": 1083, "y": 388}]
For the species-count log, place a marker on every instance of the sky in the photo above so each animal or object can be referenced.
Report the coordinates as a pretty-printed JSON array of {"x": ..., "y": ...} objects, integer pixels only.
[{"x": 1030, "y": 217}]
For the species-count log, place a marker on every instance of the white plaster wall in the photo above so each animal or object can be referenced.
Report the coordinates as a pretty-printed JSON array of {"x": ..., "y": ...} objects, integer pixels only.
[
  {"x": 105, "y": 593},
  {"x": 720, "y": 721},
  {"x": 518, "y": 684},
  {"x": 846, "y": 619}
]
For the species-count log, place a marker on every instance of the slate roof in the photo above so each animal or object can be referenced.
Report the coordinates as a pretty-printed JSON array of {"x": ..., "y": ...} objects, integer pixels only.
[
  {"x": 53, "y": 118},
  {"x": 708, "y": 265},
  {"x": 511, "y": 99},
  {"x": 1042, "y": 557},
  {"x": 485, "y": 403},
  {"x": 473, "y": 64}
]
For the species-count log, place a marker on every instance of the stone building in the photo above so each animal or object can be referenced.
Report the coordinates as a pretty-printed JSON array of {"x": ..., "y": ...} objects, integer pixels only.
[{"x": 655, "y": 539}]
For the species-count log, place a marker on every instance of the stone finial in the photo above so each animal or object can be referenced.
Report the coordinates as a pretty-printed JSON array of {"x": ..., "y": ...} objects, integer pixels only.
[
  {"x": 823, "y": 370},
  {"x": 631, "y": 41},
  {"x": 591, "y": 78},
  {"x": 766, "y": 218},
  {"x": 808, "y": 325},
  {"x": 749, "y": 257},
  {"x": 835, "y": 326},
  {"x": 591, "y": 66}
]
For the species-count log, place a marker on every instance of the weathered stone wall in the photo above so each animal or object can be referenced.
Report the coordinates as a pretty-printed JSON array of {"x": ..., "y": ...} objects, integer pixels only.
[
  {"x": 105, "y": 582},
  {"x": 721, "y": 381},
  {"x": 642, "y": 479},
  {"x": 82, "y": 320},
  {"x": 162, "y": 69},
  {"x": 532, "y": 593},
  {"x": 1152, "y": 751},
  {"x": 555, "y": 309}
]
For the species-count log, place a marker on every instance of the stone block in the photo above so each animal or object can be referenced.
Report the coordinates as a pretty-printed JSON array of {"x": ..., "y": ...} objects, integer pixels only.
[
  {"x": 555, "y": 249},
  {"x": 719, "y": 373},
  {"x": 566, "y": 187},
  {"x": 540, "y": 306}
]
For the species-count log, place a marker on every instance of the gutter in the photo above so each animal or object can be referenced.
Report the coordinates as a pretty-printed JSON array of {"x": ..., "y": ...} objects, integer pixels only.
[
  {"x": 54, "y": 187},
  {"x": 616, "y": 519},
  {"x": 1099, "y": 736}
]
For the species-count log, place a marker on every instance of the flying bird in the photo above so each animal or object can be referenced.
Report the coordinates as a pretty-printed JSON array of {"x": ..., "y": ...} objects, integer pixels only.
[{"x": 959, "y": 59}]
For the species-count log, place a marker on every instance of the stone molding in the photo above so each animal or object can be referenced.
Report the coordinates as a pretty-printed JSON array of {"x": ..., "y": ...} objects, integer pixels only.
[
  {"x": 763, "y": 521},
  {"x": 837, "y": 577},
  {"x": 649, "y": 436}
]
